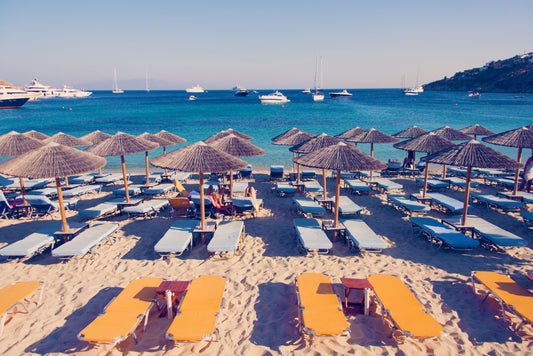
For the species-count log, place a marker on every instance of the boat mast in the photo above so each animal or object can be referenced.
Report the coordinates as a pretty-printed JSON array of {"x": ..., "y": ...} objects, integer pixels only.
[
  {"x": 316, "y": 75},
  {"x": 147, "y": 90}
]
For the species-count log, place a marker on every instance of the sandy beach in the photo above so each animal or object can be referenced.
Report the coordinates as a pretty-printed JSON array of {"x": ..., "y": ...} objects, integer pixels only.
[{"x": 259, "y": 315}]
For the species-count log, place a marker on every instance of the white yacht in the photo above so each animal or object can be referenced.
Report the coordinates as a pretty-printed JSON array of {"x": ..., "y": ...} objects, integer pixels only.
[
  {"x": 195, "y": 89},
  {"x": 240, "y": 91},
  {"x": 338, "y": 94},
  {"x": 306, "y": 91},
  {"x": 12, "y": 97},
  {"x": 40, "y": 90},
  {"x": 192, "y": 98},
  {"x": 273, "y": 98},
  {"x": 318, "y": 95},
  {"x": 116, "y": 89},
  {"x": 67, "y": 92}
]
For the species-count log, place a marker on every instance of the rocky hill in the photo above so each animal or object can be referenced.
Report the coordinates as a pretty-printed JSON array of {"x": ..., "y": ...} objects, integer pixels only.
[{"x": 513, "y": 75}]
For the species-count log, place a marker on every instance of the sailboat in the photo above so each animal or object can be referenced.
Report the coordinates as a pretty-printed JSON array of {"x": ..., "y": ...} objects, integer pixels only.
[
  {"x": 147, "y": 89},
  {"x": 116, "y": 90},
  {"x": 318, "y": 95}
]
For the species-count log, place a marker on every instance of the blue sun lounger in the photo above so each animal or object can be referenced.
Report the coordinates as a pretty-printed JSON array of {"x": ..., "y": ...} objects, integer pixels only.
[
  {"x": 276, "y": 172},
  {"x": 307, "y": 205},
  {"x": 347, "y": 206},
  {"x": 311, "y": 237},
  {"x": 32, "y": 244},
  {"x": 177, "y": 239},
  {"x": 147, "y": 208},
  {"x": 460, "y": 183},
  {"x": 410, "y": 207},
  {"x": 133, "y": 189},
  {"x": 104, "y": 209},
  {"x": 239, "y": 187},
  {"x": 498, "y": 202},
  {"x": 356, "y": 185},
  {"x": 457, "y": 171},
  {"x": 29, "y": 184},
  {"x": 41, "y": 204},
  {"x": 489, "y": 172},
  {"x": 83, "y": 189},
  {"x": 442, "y": 235},
  {"x": 50, "y": 192},
  {"x": 85, "y": 241},
  {"x": 227, "y": 238},
  {"x": 214, "y": 184},
  {"x": 491, "y": 235},
  {"x": 385, "y": 184},
  {"x": 527, "y": 216},
  {"x": 505, "y": 182},
  {"x": 308, "y": 174},
  {"x": 285, "y": 188},
  {"x": 521, "y": 195},
  {"x": 450, "y": 204},
  {"x": 366, "y": 174},
  {"x": 83, "y": 179},
  {"x": 362, "y": 237},
  {"x": 244, "y": 204},
  {"x": 181, "y": 176},
  {"x": 433, "y": 183},
  {"x": 110, "y": 178},
  {"x": 312, "y": 186},
  {"x": 160, "y": 189}
]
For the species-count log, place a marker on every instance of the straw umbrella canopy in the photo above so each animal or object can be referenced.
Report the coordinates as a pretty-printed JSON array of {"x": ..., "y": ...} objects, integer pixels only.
[
  {"x": 353, "y": 132},
  {"x": 471, "y": 154},
  {"x": 36, "y": 135},
  {"x": 95, "y": 137},
  {"x": 67, "y": 140},
  {"x": 239, "y": 134},
  {"x": 227, "y": 132},
  {"x": 161, "y": 142},
  {"x": 286, "y": 134},
  {"x": 175, "y": 139},
  {"x": 476, "y": 130},
  {"x": 238, "y": 147},
  {"x": 520, "y": 138},
  {"x": 314, "y": 144},
  {"x": 293, "y": 140},
  {"x": 199, "y": 157},
  {"x": 121, "y": 144},
  {"x": 428, "y": 143},
  {"x": 411, "y": 132},
  {"x": 452, "y": 135},
  {"x": 14, "y": 144},
  {"x": 340, "y": 157},
  {"x": 53, "y": 161}
]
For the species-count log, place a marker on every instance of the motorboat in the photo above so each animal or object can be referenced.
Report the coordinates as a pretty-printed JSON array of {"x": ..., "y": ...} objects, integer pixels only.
[
  {"x": 273, "y": 98},
  {"x": 67, "y": 92},
  {"x": 474, "y": 94},
  {"x": 339, "y": 94},
  {"x": 240, "y": 91},
  {"x": 11, "y": 97},
  {"x": 306, "y": 91},
  {"x": 192, "y": 98},
  {"x": 195, "y": 89},
  {"x": 40, "y": 90}
]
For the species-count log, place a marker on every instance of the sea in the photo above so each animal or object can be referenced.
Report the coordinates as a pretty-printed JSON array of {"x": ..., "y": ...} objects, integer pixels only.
[{"x": 387, "y": 110}]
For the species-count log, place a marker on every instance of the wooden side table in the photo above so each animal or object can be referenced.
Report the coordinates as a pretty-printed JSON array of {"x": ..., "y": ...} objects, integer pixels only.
[
  {"x": 360, "y": 284},
  {"x": 172, "y": 290}
]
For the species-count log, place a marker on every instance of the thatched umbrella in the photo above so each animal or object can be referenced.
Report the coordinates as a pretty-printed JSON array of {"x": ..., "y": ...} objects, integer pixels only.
[
  {"x": 285, "y": 134},
  {"x": 95, "y": 137},
  {"x": 471, "y": 154},
  {"x": 53, "y": 161},
  {"x": 428, "y": 143},
  {"x": 520, "y": 138},
  {"x": 224, "y": 133},
  {"x": 161, "y": 142},
  {"x": 476, "y": 130},
  {"x": 293, "y": 140},
  {"x": 452, "y": 135},
  {"x": 175, "y": 139},
  {"x": 373, "y": 136},
  {"x": 199, "y": 157},
  {"x": 340, "y": 157},
  {"x": 239, "y": 134},
  {"x": 314, "y": 144},
  {"x": 121, "y": 144},
  {"x": 351, "y": 133},
  {"x": 411, "y": 132},
  {"x": 36, "y": 135},
  {"x": 237, "y": 147},
  {"x": 67, "y": 140},
  {"x": 14, "y": 144}
]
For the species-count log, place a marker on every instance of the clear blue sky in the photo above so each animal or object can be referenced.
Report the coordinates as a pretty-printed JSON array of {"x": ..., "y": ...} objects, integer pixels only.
[{"x": 258, "y": 44}]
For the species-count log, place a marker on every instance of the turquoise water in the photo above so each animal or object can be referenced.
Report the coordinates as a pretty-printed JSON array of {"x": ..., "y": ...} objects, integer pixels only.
[{"x": 387, "y": 110}]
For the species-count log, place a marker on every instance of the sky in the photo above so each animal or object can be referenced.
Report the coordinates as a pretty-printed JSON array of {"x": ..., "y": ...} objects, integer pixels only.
[{"x": 257, "y": 44}]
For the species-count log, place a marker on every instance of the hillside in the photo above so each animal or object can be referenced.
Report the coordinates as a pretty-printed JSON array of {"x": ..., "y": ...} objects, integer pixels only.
[{"x": 513, "y": 75}]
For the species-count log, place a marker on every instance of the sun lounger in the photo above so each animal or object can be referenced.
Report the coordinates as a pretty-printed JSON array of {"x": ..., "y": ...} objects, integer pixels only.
[
  {"x": 154, "y": 177},
  {"x": 308, "y": 174},
  {"x": 356, "y": 185},
  {"x": 307, "y": 205},
  {"x": 433, "y": 183},
  {"x": 50, "y": 192},
  {"x": 403, "y": 308},
  {"x": 319, "y": 308},
  {"x": 527, "y": 216},
  {"x": 344, "y": 174},
  {"x": 312, "y": 186},
  {"x": 362, "y": 237},
  {"x": 177, "y": 239},
  {"x": 198, "y": 312},
  {"x": 84, "y": 189},
  {"x": 133, "y": 189},
  {"x": 520, "y": 195},
  {"x": 104, "y": 209},
  {"x": 85, "y": 241},
  {"x": 16, "y": 294},
  {"x": 246, "y": 204},
  {"x": 442, "y": 235},
  {"x": 285, "y": 188},
  {"x": 410, "y": 207},
  {"x": 123, "y": 314},
  {"x": 109, "y": 178},
  {"x": 29, "y": 184},
  {"x": 83, "y": 179},
  {"x": 504, "y": 182},
  {"x": 147, "y": 208},
  {"x": 181, "y": 176},
  {"x": 498, "y": 202},
  {"x": 491, "y": 235},
  {"x": 276, "y": 172},
  {"x": 213, "y": 184},
  {"x": 457, "y": 171},
  {"x": 385, "y": 184},
  {"x": 240, "y": 187},
  {"x": 7, "y": 208},
  {"x": 246, "y": 173},
  {"x": 366, "y": 174},
  {"x": 489, "y": 172},
  {"x": 181, "y": 206},
  {"x": 32, "y": 244},
  {"x": 160, "y": 189},
  {"x": 448, "y": 203},
  {"x": 460, "y": 183},
  {"x": 227, "y": 238},
  {"x": 347, "y": 206},
  {"x": 511, "y": 296},
  {"x": 311, "y": 237},
  {"x": 41, "y": 205}
]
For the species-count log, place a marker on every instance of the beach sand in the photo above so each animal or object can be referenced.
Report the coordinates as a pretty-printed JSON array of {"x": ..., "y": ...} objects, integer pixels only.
[{"x": 259, "y": 315}]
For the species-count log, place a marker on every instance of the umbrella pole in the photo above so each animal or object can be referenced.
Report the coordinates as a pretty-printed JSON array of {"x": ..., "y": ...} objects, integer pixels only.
[
  {"x": 414, "y": 163},
  {"x": 230, "y": 184},
  {"x": 66, "y": 181},
  {"x": 22, "y": 186},
  {"x": 324, "y": 180},
  {"x": 202, "y": 205},
  {"x": 293, "y": 163},
  {"x": 371, "y": 155},
  {"x": 298, "y": 173},
  {"x": 125, "y": 178},
  {"x": 443, "y": 172},
  {"x": 467, "y": 195},
  {"x": 99, "y": 171},
  {"x": 426, "y": 174},
  {"x": 165, "y": 152},
  {"x": 147, "y": 174},
  {"x": 61, "y": 206},
  {"x": 517, "y": 174},
  {"x": 337, "y": 194}
]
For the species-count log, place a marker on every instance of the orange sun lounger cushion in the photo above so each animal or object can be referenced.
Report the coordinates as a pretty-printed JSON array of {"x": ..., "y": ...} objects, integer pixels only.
[
  {"x": 320, "y": 308},
  {"x": 199, "y": 310},
  {"x": 15, "y": 294},
  {"x": 403, "y": 308}
]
